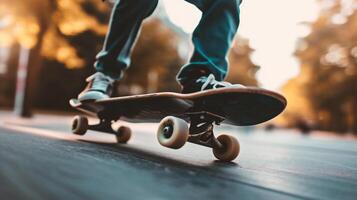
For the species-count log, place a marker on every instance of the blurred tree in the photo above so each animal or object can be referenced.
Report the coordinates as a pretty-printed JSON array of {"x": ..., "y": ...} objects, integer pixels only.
[
  {"x": 242, "y": 70},
  {"x": 155, "y": 59},
  {"x": 50, "y": 24},
  {"x": 28, "y": 30},
  {"x": 325, "y": 91},
  {"x": 43, "y": 27}
]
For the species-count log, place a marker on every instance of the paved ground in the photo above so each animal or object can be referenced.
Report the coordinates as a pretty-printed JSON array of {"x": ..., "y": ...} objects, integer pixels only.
[{"x": 40, "y": 159}]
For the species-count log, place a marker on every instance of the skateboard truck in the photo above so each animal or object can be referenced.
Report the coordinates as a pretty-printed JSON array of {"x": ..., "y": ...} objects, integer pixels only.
[
  {"x": 80, "y": 126},
  {"x": 201, "y": 128},
  {"x": 104, "y": 126}
]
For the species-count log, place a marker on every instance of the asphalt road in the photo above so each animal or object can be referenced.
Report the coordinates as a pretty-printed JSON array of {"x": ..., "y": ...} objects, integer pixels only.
[{"x": 40, "y": 159}]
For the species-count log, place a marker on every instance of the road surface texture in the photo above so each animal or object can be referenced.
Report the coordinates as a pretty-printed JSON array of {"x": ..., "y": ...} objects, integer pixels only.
[{"x": 41, "y": 159}]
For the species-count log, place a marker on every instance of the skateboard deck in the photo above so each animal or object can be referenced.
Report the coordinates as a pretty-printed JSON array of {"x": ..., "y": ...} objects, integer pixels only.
[
  {"x": 184, "y": 117},
  {"x": 237, "y": 106}
]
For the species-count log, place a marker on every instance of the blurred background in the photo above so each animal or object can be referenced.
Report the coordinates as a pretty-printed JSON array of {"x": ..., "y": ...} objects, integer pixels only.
[{"x": 305, "y": 49}]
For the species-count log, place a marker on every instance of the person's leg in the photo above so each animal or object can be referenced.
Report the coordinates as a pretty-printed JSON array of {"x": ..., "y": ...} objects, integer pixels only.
[
  {"x": 125, "y": 22},
  {"x": 212, "y": 39}
]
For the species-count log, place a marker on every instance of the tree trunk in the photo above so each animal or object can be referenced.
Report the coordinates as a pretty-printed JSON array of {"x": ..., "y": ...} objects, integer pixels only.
[
  {"x": 43, "y": 11},
  {"x": 34, "y": 66}
]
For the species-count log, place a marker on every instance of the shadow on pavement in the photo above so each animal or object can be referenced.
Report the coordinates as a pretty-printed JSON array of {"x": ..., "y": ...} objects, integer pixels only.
[{"x": 147, "y": 155}]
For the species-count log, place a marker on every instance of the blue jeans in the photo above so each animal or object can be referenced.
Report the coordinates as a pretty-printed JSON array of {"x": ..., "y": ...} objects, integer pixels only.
[{"x": 212, "y": 37}]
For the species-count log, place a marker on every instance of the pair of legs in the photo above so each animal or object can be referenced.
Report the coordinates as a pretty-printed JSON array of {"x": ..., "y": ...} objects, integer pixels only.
[
  {"x": 212, "y": 38},
  {"x": 207, "y": 67}
]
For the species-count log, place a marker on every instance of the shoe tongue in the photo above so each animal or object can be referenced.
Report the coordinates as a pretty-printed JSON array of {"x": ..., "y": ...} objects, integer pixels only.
[{"x": 99, "y": 75}]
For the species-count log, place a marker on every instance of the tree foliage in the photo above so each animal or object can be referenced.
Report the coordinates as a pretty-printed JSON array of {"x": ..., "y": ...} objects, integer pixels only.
[
  {"x": 325, "y": 92},
  {"x": 52, "y": 23},
  {"x": 242, "y": 70}
]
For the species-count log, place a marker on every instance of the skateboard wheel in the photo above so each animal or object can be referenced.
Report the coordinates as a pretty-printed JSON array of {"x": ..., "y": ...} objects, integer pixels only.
[
  {"x": 229, "y": 150},
  {"x": 80, "y": 125},
  {"x": 123, "y": 134},
  {"x": 172, "y": 132}
]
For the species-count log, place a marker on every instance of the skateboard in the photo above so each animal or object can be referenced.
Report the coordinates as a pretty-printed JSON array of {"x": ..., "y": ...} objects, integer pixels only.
[{"x": 184, "y": 117}]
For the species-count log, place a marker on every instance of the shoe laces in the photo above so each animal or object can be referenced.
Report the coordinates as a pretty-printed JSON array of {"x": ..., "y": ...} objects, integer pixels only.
[{"x": 210, "y": 80}]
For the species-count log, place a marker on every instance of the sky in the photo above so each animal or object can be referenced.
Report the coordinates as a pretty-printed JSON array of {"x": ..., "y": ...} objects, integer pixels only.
[{"x": 273, "y": 28}]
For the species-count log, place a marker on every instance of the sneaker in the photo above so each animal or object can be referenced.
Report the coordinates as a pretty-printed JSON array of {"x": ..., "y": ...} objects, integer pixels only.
[
  {"x": 207, "y": 83},
  {"x": 100, "y": 86}
]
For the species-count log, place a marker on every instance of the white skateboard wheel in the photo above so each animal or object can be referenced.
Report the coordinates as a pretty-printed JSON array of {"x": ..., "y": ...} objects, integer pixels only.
[
  {"x": 172, "y": 132},
  {"x": 123, "y": 134},
  {"x": 79, "y": 125},
  {"x": 229, "y": 150}
]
